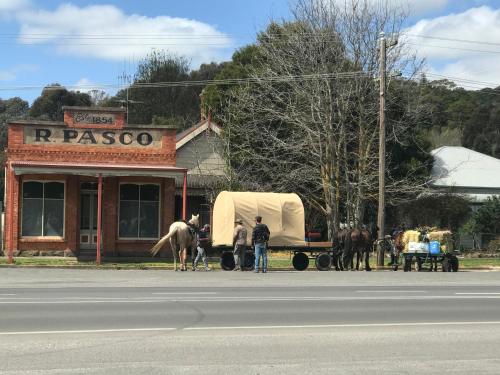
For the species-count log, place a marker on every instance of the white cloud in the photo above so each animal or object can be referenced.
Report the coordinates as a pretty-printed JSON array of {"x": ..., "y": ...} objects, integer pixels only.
[
  {"x": 84, "y": 85},
  {"x": 104, "y": 31},
  {"x": 415, "y": 7},
  {"x": 12, "y": 73},
  {"x": 13, "y": 5},
  {"x": 8, "y": 8},
  {"x": 457, "y": 58}
]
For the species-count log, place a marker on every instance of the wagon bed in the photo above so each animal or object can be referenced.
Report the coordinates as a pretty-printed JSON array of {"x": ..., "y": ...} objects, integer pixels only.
[
  {"x": 449, "y": 261},
  {"x": 321, "y": 252}
]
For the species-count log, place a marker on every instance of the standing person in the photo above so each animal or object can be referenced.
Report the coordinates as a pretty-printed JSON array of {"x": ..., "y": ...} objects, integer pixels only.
[
  {"x": 260, "y": 236},
  {"x": 394, "y": 232},
  {"x": 240, "y": 245},
  {"x": 202, "y": 243}
]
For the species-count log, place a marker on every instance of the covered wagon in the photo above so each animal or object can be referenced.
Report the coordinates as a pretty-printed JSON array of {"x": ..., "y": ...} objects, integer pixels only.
[{"x": 282, "y": 213}]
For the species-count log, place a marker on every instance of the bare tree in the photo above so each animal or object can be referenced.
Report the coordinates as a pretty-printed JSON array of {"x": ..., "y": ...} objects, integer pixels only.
[{"x": 308, "y": 121}]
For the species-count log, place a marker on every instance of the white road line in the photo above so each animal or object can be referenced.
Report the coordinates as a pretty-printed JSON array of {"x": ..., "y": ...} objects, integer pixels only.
[
  {"x": 185, "y": 293},
  {"x": 88, "y": 331},
  {"x": 362, "y": 325},
  {"x": 391, "y": 291},
  {"x": 263, "y": 327},
  {"x": 7, "y": 294},
  {"x": 249, "y": 299},
  {"x": 478, "y": 294}
]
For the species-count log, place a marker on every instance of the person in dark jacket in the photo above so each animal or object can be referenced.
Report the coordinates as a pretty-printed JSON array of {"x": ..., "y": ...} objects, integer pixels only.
[
  {"x": 260, "y": 236},
  {"x": 202, "y": 243}
]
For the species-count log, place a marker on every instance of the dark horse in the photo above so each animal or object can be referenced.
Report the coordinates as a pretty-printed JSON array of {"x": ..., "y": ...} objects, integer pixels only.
[
  {"x": 359, "y": 242},
  {"x": 338, "y": 251}
]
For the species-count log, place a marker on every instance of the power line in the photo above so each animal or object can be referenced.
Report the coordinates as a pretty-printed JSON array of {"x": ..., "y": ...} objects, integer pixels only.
[
  {"x": 463, "y": 79},
  {"x": 229, "y": 81},
  {"x": 455, "y": 48},
  {"x": 326, "y": 35},
  {"x": 474, "y": 84},
  {"x": 453, "y": 39}
]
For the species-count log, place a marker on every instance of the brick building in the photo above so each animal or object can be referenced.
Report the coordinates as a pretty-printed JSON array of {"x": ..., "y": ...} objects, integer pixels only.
[{"x": 89, "y": 185}]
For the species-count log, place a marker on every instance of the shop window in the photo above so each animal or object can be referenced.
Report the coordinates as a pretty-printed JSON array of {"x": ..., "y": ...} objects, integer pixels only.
[
  {"x": 43, "y": 209},
  {"x": 139, "y": 211}
]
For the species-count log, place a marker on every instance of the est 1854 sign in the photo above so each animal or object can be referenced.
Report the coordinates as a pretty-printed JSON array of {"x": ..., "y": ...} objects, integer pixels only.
[
  {"x": 92, "y": 137},
  {"x": 93, "y": 118}
]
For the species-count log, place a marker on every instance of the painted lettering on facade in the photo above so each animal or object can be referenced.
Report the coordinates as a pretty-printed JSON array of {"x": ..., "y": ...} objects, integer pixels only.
[
  {"x": 92, "y": 137},
  {"x": 93, "y": 118}
]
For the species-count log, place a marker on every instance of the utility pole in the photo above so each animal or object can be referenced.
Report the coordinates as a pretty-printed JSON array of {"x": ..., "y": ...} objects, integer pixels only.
[{"x": 381, "y": 153}]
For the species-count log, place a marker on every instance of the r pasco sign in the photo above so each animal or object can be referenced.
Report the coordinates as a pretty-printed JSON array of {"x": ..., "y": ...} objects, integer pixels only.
[{"x": 92, "y": 137}]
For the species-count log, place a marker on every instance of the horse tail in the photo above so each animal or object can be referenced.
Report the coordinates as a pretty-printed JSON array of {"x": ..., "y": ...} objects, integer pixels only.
[{"x": 156, "y": 248}]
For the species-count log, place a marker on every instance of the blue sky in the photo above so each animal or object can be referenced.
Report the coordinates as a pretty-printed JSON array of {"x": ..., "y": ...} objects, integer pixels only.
[{"x": 66, "y": 42}]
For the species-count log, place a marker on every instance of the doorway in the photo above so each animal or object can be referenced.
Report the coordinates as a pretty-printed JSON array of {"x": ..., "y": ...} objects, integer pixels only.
[{"x": 88, "y": 216}]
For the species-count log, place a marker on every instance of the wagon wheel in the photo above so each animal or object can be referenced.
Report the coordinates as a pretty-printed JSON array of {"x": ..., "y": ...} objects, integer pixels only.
[
  {"x": 395, "y": 264},
  {"x": 227, "y": 261},
  {"x": 249, "y": 261},
  {"x": 300, "y": 261},
  {"x": 453, "y": 263},
  {"x": 323, "y": 262},
  {"x": 407, "y": 264},
  {"x": 418, "y": 264},
  {"x": 445, "y": 265}
]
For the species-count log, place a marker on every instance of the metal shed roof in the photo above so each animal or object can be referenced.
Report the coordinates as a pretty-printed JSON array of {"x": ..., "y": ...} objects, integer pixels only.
[{"x": 462, "y": 167}]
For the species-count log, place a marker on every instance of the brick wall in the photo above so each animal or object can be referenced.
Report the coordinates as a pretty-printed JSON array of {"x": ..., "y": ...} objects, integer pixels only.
[{"x": 69, "y": 245}]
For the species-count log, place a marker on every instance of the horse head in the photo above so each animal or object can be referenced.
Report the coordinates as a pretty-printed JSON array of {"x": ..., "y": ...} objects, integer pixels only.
[
  {"x": 195, "y": 220},
  {"x": 398, "y": 241}
]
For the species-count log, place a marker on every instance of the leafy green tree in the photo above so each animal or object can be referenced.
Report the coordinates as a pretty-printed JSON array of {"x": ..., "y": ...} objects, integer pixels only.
[
  {"x": 482, "y": 129},
  {"x": 215, "y": 97},
  {"x": 48, "y": 106},
  {"x": 446, "y": 211},
  {"x": 487, "y": 218},
  {"x": 179, "y": 102}
]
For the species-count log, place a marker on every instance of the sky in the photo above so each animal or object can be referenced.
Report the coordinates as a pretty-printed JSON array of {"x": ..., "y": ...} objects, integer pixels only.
[{"x": 86, "y": 44}]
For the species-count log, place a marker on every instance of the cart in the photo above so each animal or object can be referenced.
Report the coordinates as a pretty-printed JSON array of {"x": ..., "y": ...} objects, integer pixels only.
[{"x": 449, "y": 261}]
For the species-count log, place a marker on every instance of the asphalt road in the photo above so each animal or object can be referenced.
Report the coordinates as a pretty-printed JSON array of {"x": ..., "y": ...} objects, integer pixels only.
[{"x": 161, "y": 322}]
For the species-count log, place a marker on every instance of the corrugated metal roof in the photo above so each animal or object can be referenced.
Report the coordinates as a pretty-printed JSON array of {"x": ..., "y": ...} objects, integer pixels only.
[{"x": 462, "y": 167}]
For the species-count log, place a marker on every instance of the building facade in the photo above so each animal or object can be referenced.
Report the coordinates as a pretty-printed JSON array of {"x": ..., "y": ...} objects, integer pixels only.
[
  {"x": 198, "y": 151},
  {"x": 91, "y": 185}
]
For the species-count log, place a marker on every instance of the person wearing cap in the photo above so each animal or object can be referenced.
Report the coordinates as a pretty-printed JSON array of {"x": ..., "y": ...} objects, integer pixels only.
[
  {"x": 203, "y": 242},
  {"x": 240, "y": 245},
  {"x": 260, "y": 236}
]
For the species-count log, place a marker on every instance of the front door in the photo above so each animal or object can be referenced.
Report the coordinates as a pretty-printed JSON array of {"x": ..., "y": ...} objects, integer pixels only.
[{"x": 88, "y": 219}]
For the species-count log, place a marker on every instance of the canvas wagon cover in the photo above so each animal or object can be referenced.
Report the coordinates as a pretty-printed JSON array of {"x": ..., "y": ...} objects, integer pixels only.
[{"x": 282, "y": 213}]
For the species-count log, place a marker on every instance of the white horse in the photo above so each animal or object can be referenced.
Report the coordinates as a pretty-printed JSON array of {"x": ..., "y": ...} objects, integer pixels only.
[{"x": 180, "y": 234}]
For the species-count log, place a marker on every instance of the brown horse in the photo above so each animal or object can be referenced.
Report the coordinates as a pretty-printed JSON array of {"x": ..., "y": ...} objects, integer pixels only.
[
  {"x": 180, "y": 234},
  {"x": 357, "y": 241},
  {"x": 397, "y": 247}
]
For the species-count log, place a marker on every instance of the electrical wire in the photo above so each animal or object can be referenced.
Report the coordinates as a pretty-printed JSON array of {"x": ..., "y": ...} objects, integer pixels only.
[
  {"x": 233, "y": 81},
  {"x": 452, "y": 39},
  {"x": 454, "y": 48}
]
